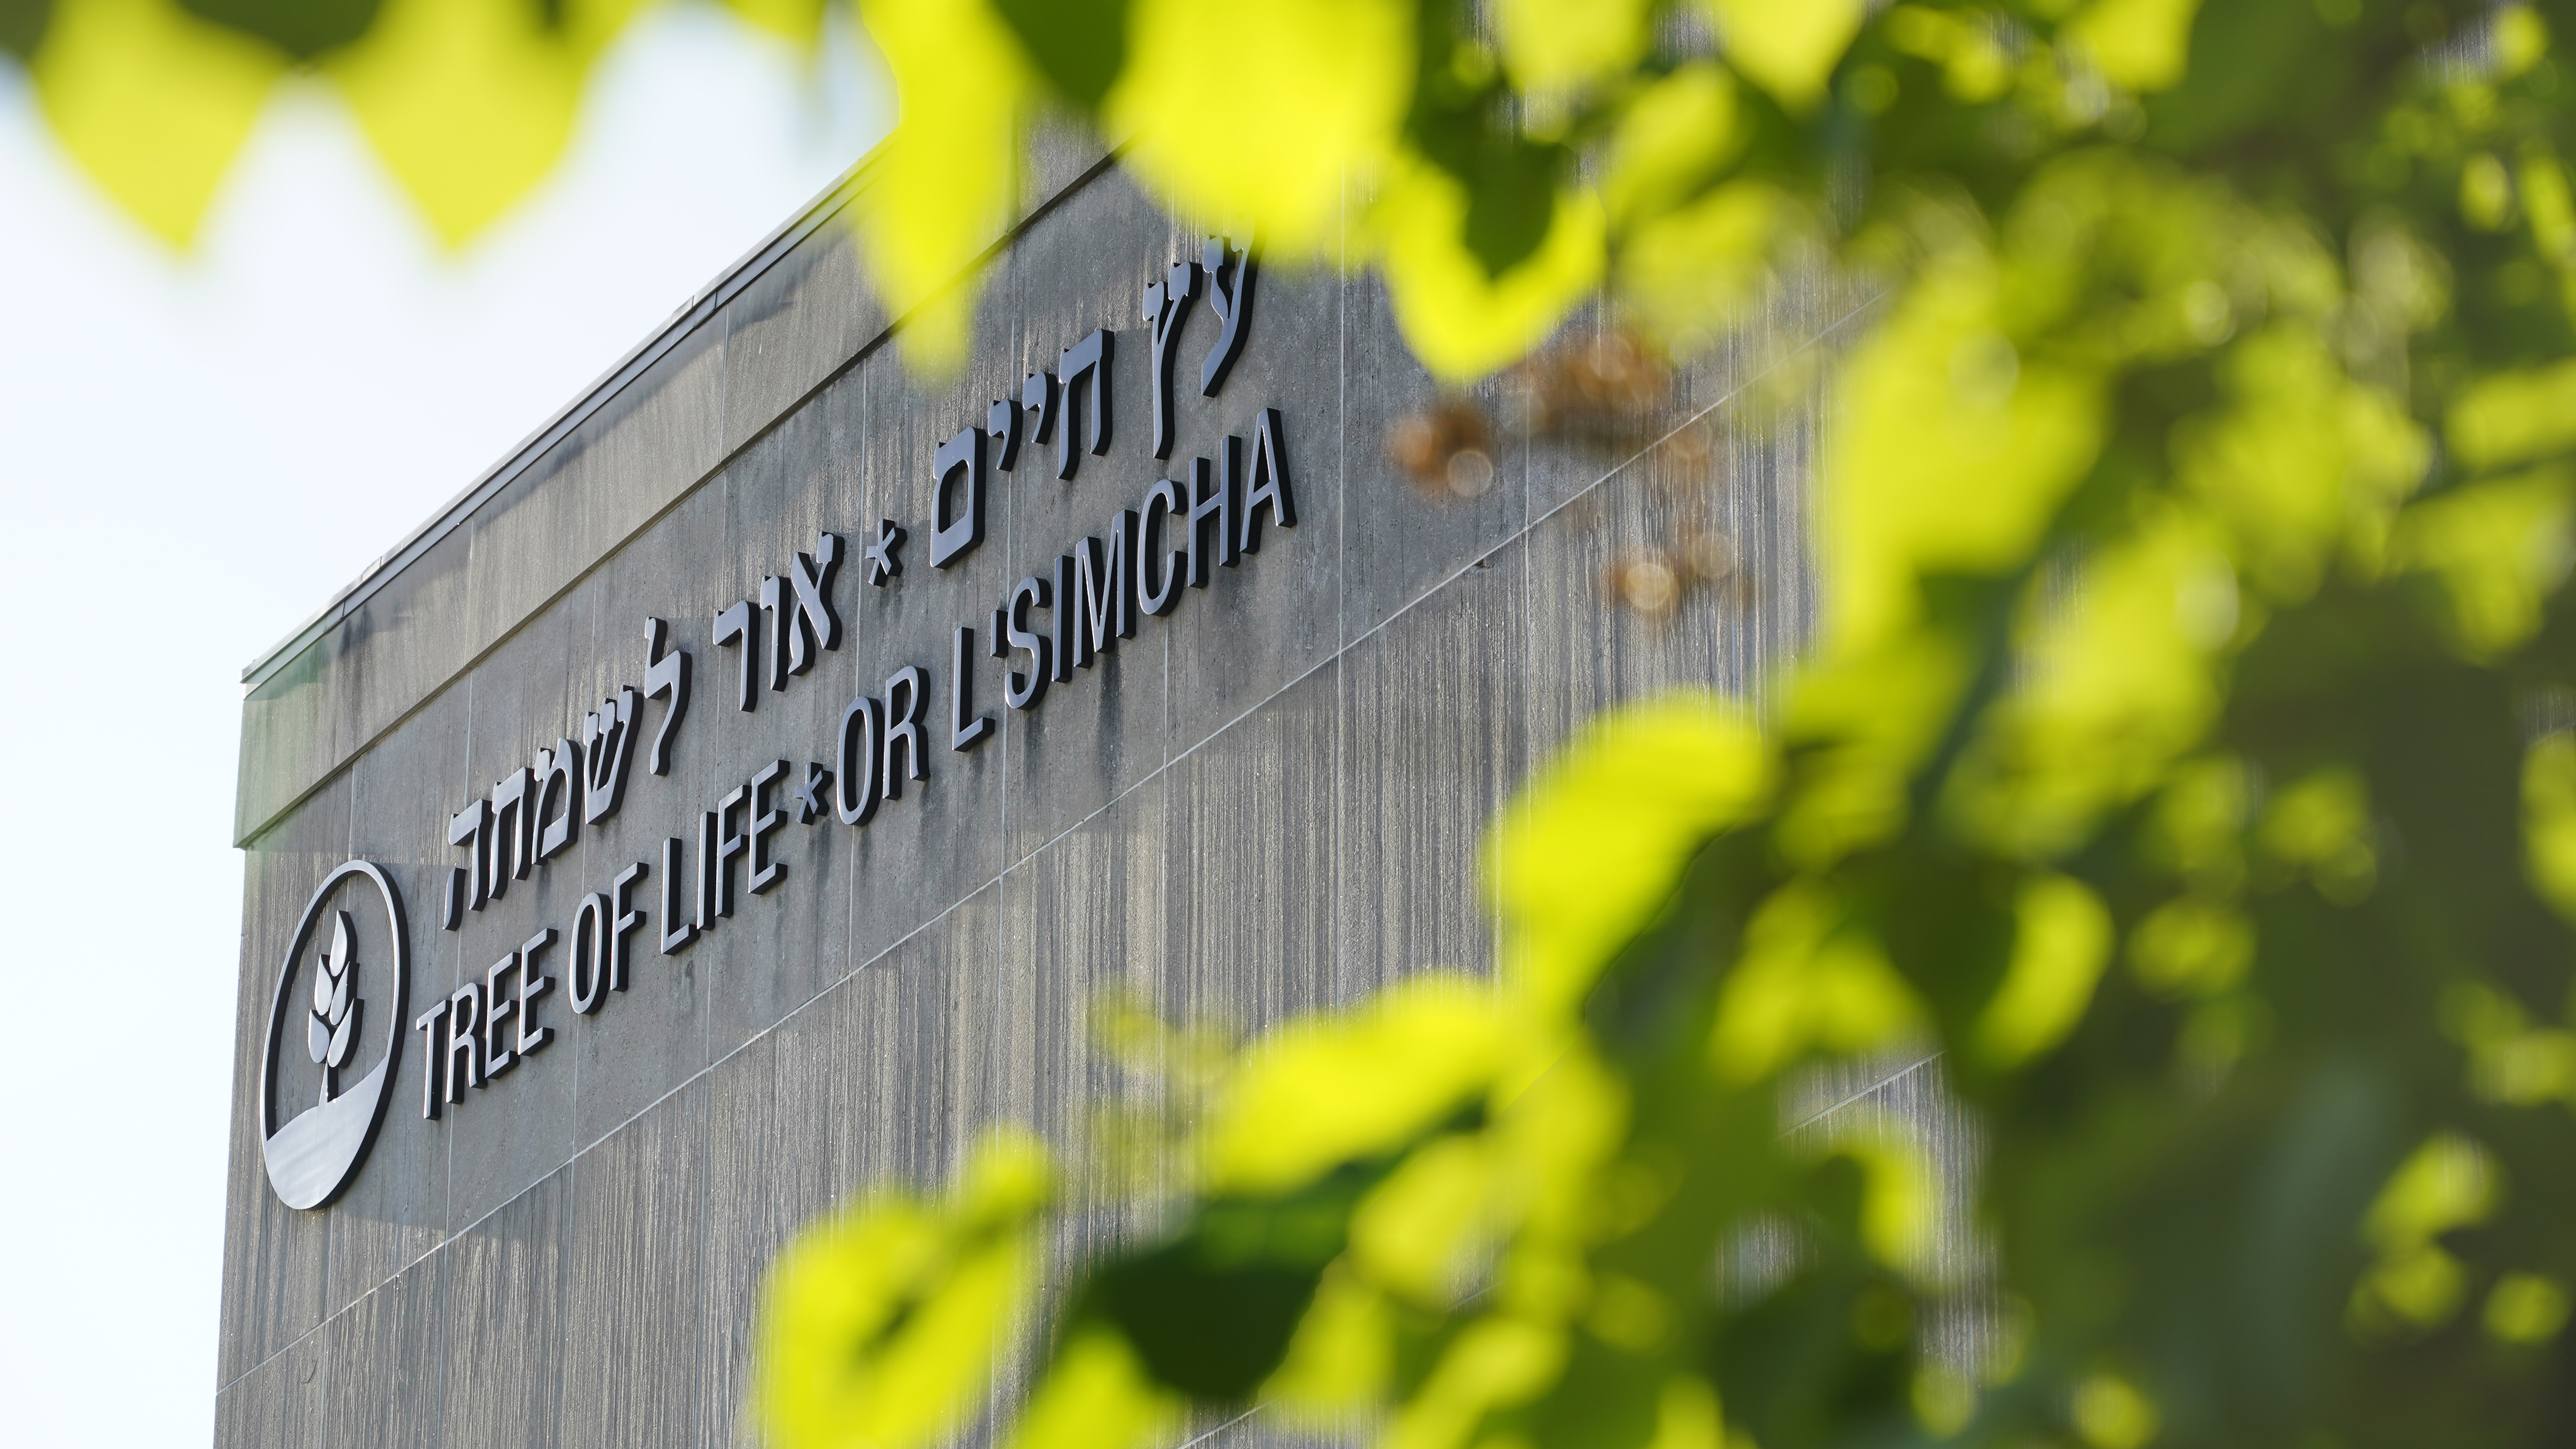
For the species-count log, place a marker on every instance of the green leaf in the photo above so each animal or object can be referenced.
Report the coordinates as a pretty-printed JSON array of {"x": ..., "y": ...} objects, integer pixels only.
[
  {"x": 302, "y": 28},
  {"x": 1584, "y": 860},
  {"x": 152, "y": 102},
  {"x": 880, "y": 1325},
  {"x": 943, "y": 185},
  {"x": 2062, "y": 939},
  {"x": 1554, "y": 45},
  {"x": 2141, "y": 45},
  {"x": 2513, "y": 417},
  {"x": 470, "y": 102},
  {"x": 1260, "y": 113},
  {"x": 23, "y": 24},
  {"x": 1787, "y": 49},
  {"x": 1079, "y": 45}
]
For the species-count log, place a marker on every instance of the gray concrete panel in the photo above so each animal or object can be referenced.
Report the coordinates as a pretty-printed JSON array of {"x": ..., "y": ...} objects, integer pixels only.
[
  {"x": 506, "y": 1282},
  {"x": 650, "y": 1038},
  {"x": 1083, "y": 929},
  {"x": 1100, "y": 731},
  {"x": 520, "y": 1126},
  {"x": 910, "y": 1049},
  {"x": 1427, "y": 760},
  {"x": 1251, "y": 848},
  {"x": 1401, "y": 537},
  {"x": 654, "y": 440},
  {"x": 794, "y": 327},
  {"x": 385, "y": 1365},
  {"x": 1735, "y": 488},
  {"x": 943, "y": 836},
  {"x": 770, "y": 1111},
  {"x": 396, "y": 1211},
  {"x": 632, "y": 1314},
  {"x": 277, "y": 1405},
  {"x": 1265, "y": 623},
  {"x": 274, "y": 1256},
  {"x": 784, "y": 492}
]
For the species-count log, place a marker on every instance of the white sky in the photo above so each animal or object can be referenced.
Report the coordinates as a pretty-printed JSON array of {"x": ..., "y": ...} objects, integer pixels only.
[{"x": 196, "y": 452}]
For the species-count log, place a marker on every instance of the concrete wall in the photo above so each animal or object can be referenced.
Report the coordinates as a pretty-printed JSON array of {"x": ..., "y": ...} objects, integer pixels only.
[{"x": 1269, "y": 801}]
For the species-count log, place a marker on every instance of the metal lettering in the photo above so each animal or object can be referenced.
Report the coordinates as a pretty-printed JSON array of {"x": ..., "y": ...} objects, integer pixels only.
[
  {"x": 607, "y": 750},
  {"x": 664, "y": 674},
  {"x": 739, "y": 627},
  {"x": 903, "y": 727},
  {"x": 1269, "y": 481},
  {"x": 678, "y": 930},
  {"x": 765, "y": 822},
  {"x": 1085, "y": 365},
  {"x": 1020, "y": 691},
  {"x": 960, "y": 459},
  {"x": 1230, "y": 298},
  {"x": 1167, "y": 306},
  {"x": 963, "y": 733}
]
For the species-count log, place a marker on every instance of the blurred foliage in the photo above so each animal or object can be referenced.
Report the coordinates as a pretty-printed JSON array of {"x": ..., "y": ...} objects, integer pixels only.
[
  {"x": 2186, "y": 754},
  {"x": 468, "y": 102}
]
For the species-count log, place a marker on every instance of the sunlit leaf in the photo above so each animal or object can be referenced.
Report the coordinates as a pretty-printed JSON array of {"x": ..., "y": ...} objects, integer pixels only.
[
  {"x": 1601, "y": 838},
  {"x": 2321, "y": 824},
  {"x": 1412, "y": 1230},
  {"x": 1332, "y": 1089},
  {"x": 1460, "y": 320},
  {"x": 1550, "y": 45},
  {"x": 797, "y": 20},
  {"x": 1342, "y": 1354},
  {"x": 2499, "y": 548},
  {"x": 1671, "y": 140},
  {"x": 152, "y": 102},
  {"x": 1496, "y": 1362},
  {"x": 2191, "y": 947},
  {"x": 1809, "y": 978},
  {"x": 1096, "y": 1395},
  {"x": 2448, "y": 1183},
  {"x": 301, "y": 28},
  {"x": 880, "y": 1325},
  {"x": 2515, "y": 416},
  {"x": 1957, "y": 452},
  {"x": 2112, "y": 1413},
  {"x": 1900, "y": 1208},
  {"x": 2141, "y": 45},
  {"x": 2549, "y": 819},
  {"x": 1967, "y": 46},
  {"x": 2061, "y": 939},
  {"x": 2300, "y": 461},
  {"x": 2121, "y": 684},
  {"x": 942, "y": 186},
  {"x": 1787, "y": 49},
  {"x": 470, "y": 102},
  {"x": 1262, "y": 113},
  {"x": 2526, "y": 1308},
  {"x": 1689, "y": 273}
]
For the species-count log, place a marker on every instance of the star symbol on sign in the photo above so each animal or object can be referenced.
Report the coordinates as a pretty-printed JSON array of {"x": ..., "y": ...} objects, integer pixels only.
[
  {"x": 809, "y": 796},
  {"x": 882, "y": 564}
]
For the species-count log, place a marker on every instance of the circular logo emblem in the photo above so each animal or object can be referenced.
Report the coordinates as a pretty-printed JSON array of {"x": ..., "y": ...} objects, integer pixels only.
[{"x": 351, "y": 946}]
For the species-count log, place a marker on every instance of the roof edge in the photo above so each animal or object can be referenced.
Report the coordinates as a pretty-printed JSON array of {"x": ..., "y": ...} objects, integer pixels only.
[{"x": 698, "y": 310}]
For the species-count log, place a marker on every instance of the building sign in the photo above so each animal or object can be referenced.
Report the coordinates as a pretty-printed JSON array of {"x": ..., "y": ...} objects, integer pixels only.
[
  {"x": 352, "y": 934},
  {"x": 1102, "y": 589}
]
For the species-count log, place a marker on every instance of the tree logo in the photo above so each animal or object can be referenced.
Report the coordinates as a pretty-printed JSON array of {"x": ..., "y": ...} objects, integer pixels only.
[
  {"x": 332, "y": 1030},
  {"x": 312, "y": 1155}
]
